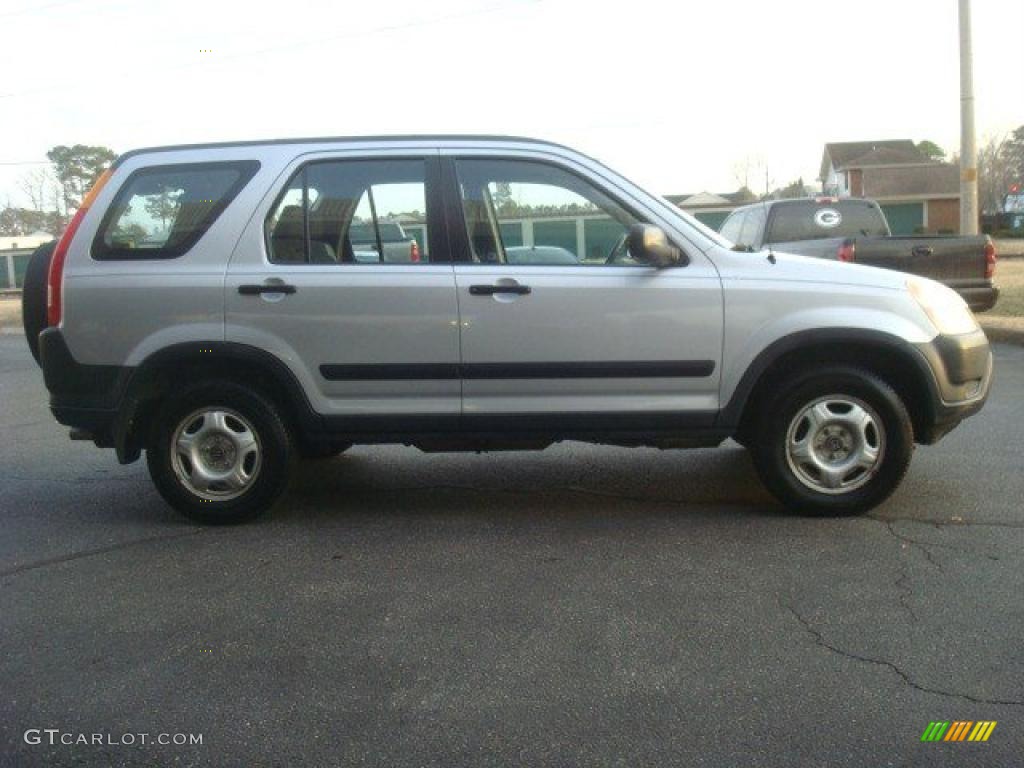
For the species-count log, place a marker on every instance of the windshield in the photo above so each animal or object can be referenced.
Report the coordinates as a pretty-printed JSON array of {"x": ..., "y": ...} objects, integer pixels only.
[{"x": 813, "y": 220}]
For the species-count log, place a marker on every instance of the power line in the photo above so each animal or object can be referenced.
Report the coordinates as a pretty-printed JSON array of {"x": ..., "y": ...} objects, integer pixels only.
[
  {"x": 36, "y": 8},
  {"x": 290, "y": 45},
  {"x": 25, "y": 162}
]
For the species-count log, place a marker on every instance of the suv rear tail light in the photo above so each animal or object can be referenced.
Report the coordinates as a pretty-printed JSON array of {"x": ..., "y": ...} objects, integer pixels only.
[
  {"x": 846, "y": 251},
  {"x": 990, "y": 260},
  {"x": 55, "y": 278},
  {"x": 414, "y": 252}
]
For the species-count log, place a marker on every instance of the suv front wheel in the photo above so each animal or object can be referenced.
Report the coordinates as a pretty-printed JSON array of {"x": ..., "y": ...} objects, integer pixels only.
[
  {"x": 219, "y": 453},
  {"x": 833, "y": 441}
]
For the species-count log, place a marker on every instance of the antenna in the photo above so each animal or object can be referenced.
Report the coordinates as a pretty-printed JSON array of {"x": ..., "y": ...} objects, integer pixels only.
[{"x": 764, "y": 207}]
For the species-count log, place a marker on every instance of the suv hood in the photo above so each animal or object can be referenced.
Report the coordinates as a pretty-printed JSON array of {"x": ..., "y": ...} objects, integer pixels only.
[{"x": 793, "y": 268}]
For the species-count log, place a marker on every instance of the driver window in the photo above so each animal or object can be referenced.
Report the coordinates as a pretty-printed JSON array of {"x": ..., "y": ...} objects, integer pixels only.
[{"x": 531, "y": 214}]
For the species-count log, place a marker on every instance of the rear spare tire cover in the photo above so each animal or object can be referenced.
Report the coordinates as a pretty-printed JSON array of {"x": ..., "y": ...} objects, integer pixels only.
[{"x": 33, "y": 295}]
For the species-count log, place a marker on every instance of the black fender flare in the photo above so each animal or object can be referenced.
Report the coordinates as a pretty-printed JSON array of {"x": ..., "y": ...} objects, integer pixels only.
[
  {"x": 731, "y": 415},
  {"x": 217, "y": 357}
]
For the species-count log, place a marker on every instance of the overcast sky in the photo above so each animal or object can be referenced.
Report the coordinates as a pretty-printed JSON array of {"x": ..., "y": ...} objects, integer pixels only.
[{"x": 675, "y": 95}]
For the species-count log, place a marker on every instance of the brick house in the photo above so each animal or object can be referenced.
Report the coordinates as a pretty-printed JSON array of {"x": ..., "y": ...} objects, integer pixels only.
[{"x": 916, "y": 193}]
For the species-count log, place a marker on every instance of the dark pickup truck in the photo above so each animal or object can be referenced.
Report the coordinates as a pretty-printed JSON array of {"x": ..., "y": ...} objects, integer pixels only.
[{"x": 854, "y": 229}]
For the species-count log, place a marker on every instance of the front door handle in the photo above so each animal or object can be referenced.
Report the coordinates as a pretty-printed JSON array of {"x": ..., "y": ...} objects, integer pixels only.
[
  {"x": 256, "y": 290},
  {"x": 922, "y": 250},
  {"x": 490, "y": 290}
]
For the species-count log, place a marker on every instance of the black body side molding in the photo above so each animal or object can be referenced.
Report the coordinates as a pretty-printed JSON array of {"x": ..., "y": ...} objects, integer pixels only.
[{"x": 629, "y": 369}]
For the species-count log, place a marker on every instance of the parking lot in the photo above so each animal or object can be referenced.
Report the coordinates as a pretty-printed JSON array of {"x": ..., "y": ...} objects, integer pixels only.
[{"x": 582, "y": 605}]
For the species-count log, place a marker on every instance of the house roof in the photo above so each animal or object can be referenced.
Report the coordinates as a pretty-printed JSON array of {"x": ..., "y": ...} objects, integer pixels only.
[
  {"x": 707, "y": 199},
  {"x": 844, "y": 154},
  {"x": 911, "y": 181},
  {"x": 887, "y": 156}
]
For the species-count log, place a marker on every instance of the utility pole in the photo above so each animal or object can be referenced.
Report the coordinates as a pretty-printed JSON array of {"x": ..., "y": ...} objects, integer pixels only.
[{"x": 968, "y": 146}]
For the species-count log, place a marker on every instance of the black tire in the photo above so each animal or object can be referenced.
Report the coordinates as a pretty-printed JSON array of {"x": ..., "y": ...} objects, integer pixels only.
[
  {"x": 769, "y": 446},
  {"x": 275, "y": 453},
  {"x": 33, "y": 296}
]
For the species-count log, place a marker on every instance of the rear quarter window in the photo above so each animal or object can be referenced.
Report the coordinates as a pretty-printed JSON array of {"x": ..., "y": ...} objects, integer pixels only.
[
  {"x": 811, "y": 220},
  {"x": 160, "y": 212}
]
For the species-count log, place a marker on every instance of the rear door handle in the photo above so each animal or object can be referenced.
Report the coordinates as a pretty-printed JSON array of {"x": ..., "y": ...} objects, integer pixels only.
[
  {"x": 922, "y": 250},
  {"x": 490, "y": 290},
  {"x": 256, "y": 290}
]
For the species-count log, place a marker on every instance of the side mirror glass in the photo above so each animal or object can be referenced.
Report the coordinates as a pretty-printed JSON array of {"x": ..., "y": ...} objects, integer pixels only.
[{"x": 650, "y": 245}]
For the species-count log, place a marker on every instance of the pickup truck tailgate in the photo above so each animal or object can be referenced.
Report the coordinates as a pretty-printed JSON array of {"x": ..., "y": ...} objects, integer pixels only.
[{"x": 947, "y": 259}]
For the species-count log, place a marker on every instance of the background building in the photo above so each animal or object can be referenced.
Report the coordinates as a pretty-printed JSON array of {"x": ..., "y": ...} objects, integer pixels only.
[
  {"x": 712, "y": 208},
  {"x": 918, "y": 194}
]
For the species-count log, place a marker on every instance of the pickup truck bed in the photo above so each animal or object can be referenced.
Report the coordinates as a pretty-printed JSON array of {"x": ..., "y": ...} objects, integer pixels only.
[
  {"x": 856, "y": 230},
  {"x": 959, "y": 262}
]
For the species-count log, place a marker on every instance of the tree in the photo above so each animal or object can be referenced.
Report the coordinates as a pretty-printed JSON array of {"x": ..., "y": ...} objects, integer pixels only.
[
  {"x": 38, "y": 186},
  {"x": 19, "y": 221},
  {"x": 931, "y": 150},
  {"x": 993, "y": 174},
  {"x": 164, "y": 206},
  {"x": 77, "y": 168},
  {"x": 1000, "y": 164},
  {"x": 743, "y": 195},
  {"x": 791, "y": 190},
  {"x": 130, "y": 233},
  {"x": 1015, "y": 155}
]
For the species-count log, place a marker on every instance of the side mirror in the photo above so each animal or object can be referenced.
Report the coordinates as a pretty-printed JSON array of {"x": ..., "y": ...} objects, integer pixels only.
[{"x": 649, "y": 244}]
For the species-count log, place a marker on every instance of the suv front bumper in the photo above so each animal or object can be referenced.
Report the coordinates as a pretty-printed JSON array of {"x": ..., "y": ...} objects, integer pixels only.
[{"x": 961, "y": 369}]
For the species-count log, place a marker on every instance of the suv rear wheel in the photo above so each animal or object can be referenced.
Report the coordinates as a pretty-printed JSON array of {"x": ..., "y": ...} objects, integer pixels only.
[
  {"x": 219, "y": 453},
  {"x": 833, "y": 441}
]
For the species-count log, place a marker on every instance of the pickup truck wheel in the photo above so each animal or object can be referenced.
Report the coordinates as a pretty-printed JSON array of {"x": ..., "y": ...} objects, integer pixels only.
[
  {"x": 219, "y": 453},
  {"x": 33, "y": 296},
  {"x": 834, "y": 441}
]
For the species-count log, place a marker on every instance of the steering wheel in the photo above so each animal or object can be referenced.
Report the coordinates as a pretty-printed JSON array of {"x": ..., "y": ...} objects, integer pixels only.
[{"x": 614, "y": 252}]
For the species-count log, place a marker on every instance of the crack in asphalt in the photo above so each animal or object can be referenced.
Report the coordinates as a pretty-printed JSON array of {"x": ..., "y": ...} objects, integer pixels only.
[
  {"x": 71, "y": 556},
  {"x": 949, "y": 523},
  {"x": 925, "y": 546},
  {"x": 913, "y": 543},
  {"x": 819, "y": 640},
  {"x": 905, "y": 592}
]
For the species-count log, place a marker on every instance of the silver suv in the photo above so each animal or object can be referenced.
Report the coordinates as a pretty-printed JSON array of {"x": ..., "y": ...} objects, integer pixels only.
[{"x": 207, "y": 305}]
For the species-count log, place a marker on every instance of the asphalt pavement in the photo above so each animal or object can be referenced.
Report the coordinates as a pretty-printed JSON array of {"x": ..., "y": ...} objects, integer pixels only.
[{"x": 583, "y": 605}]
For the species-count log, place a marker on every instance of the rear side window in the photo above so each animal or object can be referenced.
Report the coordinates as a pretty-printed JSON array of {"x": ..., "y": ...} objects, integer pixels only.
[
  {"x": 161, "y": 212},
  {"x": 810, "y": 220},
  {"x": 339, "y": 212}
]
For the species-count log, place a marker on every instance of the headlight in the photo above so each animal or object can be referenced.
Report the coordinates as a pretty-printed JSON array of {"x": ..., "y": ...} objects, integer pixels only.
[{"x": 944, "y": 307}]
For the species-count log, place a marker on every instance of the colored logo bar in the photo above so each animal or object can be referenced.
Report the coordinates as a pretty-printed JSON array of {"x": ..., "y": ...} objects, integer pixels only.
[{"x": 958, "y": 730}]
